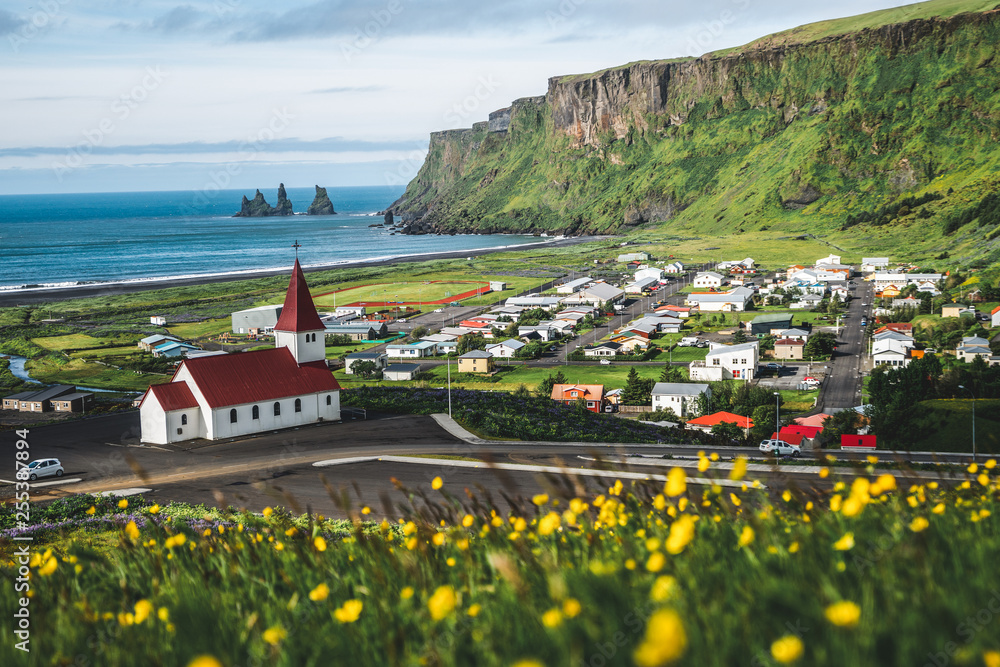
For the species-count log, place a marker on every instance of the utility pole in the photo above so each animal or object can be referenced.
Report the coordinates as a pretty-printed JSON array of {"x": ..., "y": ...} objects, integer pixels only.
[
  {"x": 449, "y": 387},
  {"x": 973, "y": 420},
  {"x": 777, "y": 415}
]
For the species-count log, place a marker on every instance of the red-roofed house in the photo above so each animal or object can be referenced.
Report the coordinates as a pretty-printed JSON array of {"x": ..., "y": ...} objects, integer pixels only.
[
  {"x": 899, "y": 327},
  {"x": 571, "y": 393},
  {"x": 231, "y": 395},
  {"x": 812, "y": 420},
  {"x": 789, "y": 348},
  {"x": 791, "y": 438},
  {"x": 995, "y": 317},
  {"x": 706, "y": 422},
  {"x": 794, "y": 434},
  {"x": 857, "y": 442}
]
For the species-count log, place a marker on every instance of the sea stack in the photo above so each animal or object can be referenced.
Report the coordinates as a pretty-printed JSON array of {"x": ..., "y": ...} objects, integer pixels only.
[
  {"x": 321, "y": 204},
  {"x": 259, "y": 208}
]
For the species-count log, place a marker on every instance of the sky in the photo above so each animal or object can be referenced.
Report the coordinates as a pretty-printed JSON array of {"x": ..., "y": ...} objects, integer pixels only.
[{"x": 135, "y": 95}]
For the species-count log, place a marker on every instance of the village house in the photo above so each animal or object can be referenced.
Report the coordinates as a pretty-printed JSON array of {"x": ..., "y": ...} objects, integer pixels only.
[
  {"x": 596, "y": 294},
  {"x": 364, "y": 330},
  {"x": 633, "y": 257},
  {"x": 476, "y": 361},
  {"x": 570, "y": 394},
  {"x": 789, "y": 348},
  {"x": 380, "y": 359},
  {"x": 681, "y": 397},
  {"x": 418, "y": 350},
  {"x": 995, "y": 317},
  {"x": 674, "y": 267},
  {"x": 605, "y": 349},
  {"x": 401, "y": 372},
  {"x": 707, "y": 280},
  {"x": 239, "y": 394},
  {"x": 544, "y": 332},
  {"x": 508, "y": 349},
  {"x": 727, "y": 362},
  {"x": 650, "y": 272},
  {"x": 640, "y": 286},
  {"x": 972, "y": 347},
  {"x": 720, "y": 302},
  {"x": 39, "y": 400},
  {"x": 770, "y": 324},
  {"x": 262, "y": 318},
  {"x": 706, "y": 422},
  {"x": 574, "y": 286},
  {"x": 150, "y": 342},
  {"x": 956, "y": 310},
  {"x": 871, "y": 265}
]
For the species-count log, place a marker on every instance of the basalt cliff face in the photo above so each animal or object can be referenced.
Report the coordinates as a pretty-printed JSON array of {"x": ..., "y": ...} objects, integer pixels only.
[
  {"x": 259, "y": 208},
  {"x": 770, "y": 134}
]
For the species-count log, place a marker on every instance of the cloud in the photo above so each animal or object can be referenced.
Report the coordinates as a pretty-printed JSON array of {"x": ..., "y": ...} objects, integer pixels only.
[
  {"x": 348, "y": 89},
  {"x": 180, "y": 19},
  {"x": 9, "y": 22},
  {"x": 328, "y": 145}
]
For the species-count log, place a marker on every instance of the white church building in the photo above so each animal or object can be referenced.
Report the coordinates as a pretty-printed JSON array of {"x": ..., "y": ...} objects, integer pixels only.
[{"x": 238, "y": 394}]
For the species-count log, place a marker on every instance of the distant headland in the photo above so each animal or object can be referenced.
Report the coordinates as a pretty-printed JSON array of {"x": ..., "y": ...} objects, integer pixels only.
[{"x": 259, "y": 208}]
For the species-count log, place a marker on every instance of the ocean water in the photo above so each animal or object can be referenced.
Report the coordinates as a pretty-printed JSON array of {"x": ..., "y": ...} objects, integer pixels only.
[{"x": 61, "y": 240}]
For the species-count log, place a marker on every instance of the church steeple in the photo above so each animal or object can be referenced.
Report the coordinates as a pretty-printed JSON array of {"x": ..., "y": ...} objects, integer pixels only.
[{"x": 299, "y": 327}]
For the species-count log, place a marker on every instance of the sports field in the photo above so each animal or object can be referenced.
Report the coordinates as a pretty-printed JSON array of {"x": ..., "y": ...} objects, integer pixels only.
[{"x": 410, "y": 293}]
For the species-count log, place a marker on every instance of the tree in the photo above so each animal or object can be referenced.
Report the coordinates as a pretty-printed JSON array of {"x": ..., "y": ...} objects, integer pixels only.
[
  {"x": 470, "y": 342},
  {"x": 545, "y": 386},
  {"x": 661, "y": 415},
  {"x": 763, "y": 422},
  {"x": 820, "y": 345},
  {"x": 740, "y": 336},
  {"x": 418, "y": 333},
  {"x": 728, "y": 432},
  {"x": 671, "y": 374},
  {"x": 926, "y": 303},
  {"x": 365, "y": 369},
  {"x": 637, "y": 391},
  {"x": 844, "y": 422}
]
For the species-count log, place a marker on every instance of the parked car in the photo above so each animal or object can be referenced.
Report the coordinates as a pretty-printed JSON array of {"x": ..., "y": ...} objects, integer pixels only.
[
  {"x": 774, "y": 366},
  {"x": 43, "y": 468},
  {"x": 439, "y": 310},
  {"x": 812, "y": 382},
  {"x": 779, "y": 448}
]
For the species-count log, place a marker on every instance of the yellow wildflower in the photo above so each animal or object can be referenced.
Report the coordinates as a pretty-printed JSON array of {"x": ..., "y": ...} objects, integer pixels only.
[
  {"x": 349, "y": 611},
  {"x": 746, "y": 537},
  {"x": 442, "y": 602},
  {"x": 787, "y": 650},
  {"x": 438, "y": 539},
  {"x": 824, "y": 473},
  {"x": 437, "y": 483},
  {"x": 676, "y": 482},
  {"x": 540, "y": 499},
  {"x": 143, "y": 610},
  {"x": 665, "y": 640},
  {"x": 91, "y": 510},
  {"x": 319, "y": 593},
  {"x": 843, "y": 614},
  {"x": 267, "y": 511},
  {"x": 656, "y": 562},
  {"x": 319, "y": 543},
  {"x": 406, "y": 593},
  {"x": 991, "y": 658},
  {"x": 163, "y": 614},
  {"x": 48, "y": 567},
  {"x": 204, "y": 661},
  {"x": 123, "y": 503},
  {"x": 739, "y": 470},
  {"x": 919, "y": 524},
  {"x": 549, "y": 524},
  {"x": 274, "y": 634},
  {"x": 664, "y": 588},
  {"x": 474, "y": 610},
  {"x": 735, "y": 499},
  {"x": 786, "y": 495},
  {"x": 552, "y": 618},
  {"x": 468, "y": 520},
  {"x": 681, "y": 534},
  {"x": 571, "y": 607},
  {"x": 846, "y": 543},
  {"x": 132, "y": 530}
]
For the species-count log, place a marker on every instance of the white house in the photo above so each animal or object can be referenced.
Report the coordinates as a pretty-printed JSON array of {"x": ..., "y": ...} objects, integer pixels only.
[
  {"x": 238, "y": 394},
  {"x": 640, "y": 285},
  {"x": 598, "y": 293},
  {"x": 707, "y": 279},
  {"x": 681, "y": 397},
  {"x": 380, "y": 359},
  {"x": 418, "y": 350},
  {"x": 534, "y": 301},
  {"x": 972, "y": 347},
  {"x": 633, "y": 257},
  {"x": 793, "y": 334},
  {"x": 734, "y": 300},
  {"x": 158, "y": 320},
  {"x": 545, "y": 332},
  {"x": 891, "y": 352},
  {"x": 606, "y": 349},
  {"x": 727, "y": 362},
  {"x": 874, "y": 264},
  {"x": 649, "y": 272},
  {"x": 674, "y": 267},
  {"x": 574, "y": 286},
  {"x": 401, "y": 372},
  {"x": 995, "y": 317},
  {"x": 829, "y": 259},
  {"x": 507, "y": 349}
]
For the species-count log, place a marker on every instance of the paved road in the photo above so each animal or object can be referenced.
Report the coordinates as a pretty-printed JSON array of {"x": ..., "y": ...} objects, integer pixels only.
[{"x": 842, "y": 387}]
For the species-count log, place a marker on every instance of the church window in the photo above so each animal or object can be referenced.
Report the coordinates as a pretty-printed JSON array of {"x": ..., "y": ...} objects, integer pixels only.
[
  {"x": 298, "y": 405},
  {"x": 255, "y": 413},
  {"x": 329, "y": 400},
  {"x": 232, "y": 416},
  {"x": 184, "y": 420},
  {"x": 277, "y": 409}
]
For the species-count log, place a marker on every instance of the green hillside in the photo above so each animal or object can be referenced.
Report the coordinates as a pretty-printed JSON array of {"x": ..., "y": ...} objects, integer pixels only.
[{"x": 882, "y": 137}]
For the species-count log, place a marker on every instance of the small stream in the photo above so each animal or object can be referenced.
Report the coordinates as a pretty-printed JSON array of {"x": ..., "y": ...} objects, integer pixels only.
[{"x": 19, "y": 371}]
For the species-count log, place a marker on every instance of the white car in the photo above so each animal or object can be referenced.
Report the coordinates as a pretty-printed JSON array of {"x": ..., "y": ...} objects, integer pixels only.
[
  {"x": 779, "y": 448},
  {"x": 42, "y": 468},
  {"x": 439, "y": 310},
  {"x": 605, "y": 362}
]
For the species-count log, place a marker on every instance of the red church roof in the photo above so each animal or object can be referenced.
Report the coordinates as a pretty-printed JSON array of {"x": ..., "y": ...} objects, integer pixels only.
[
  {"x": 249, "y": 377},
  {"x": 172, "y": 396},
  {"x": 299, "y": 312}
]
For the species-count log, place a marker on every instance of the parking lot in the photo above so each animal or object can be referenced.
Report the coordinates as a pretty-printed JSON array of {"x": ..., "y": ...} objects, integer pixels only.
[{"x": 790, "y": 375}]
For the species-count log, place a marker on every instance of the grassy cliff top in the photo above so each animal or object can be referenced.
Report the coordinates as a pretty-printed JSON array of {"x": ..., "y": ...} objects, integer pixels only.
[{"x": 812, "y": 32}]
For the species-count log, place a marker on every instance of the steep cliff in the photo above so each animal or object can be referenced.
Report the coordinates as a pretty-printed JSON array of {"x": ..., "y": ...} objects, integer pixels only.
[{"x": 778, "y": 132}]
